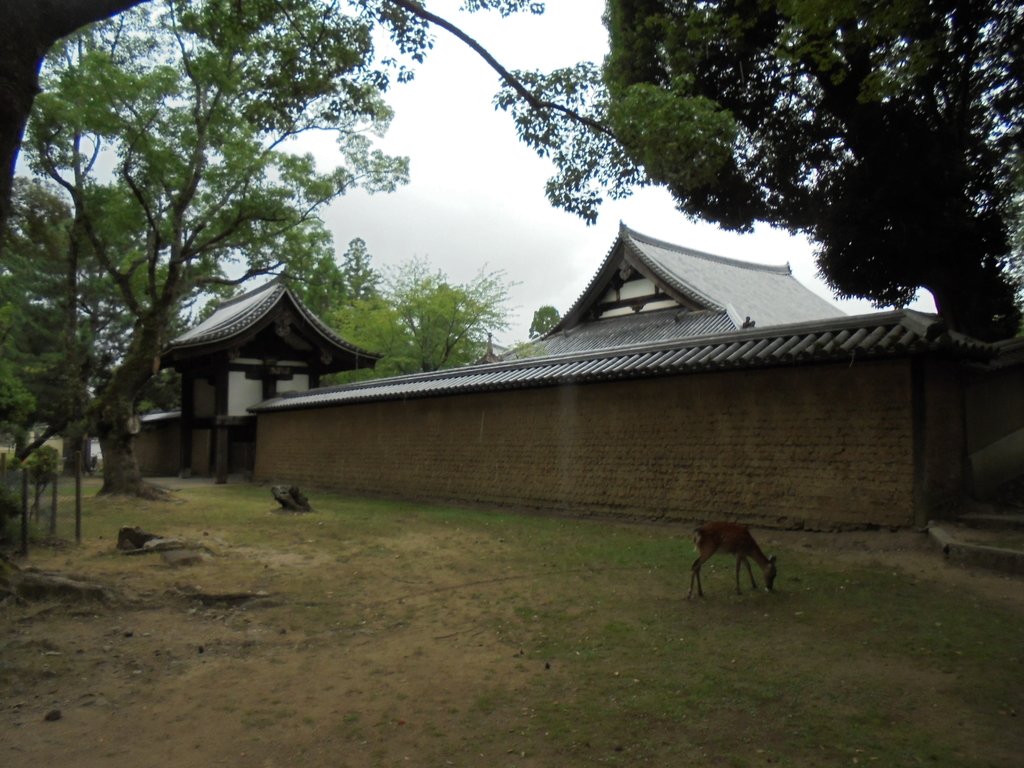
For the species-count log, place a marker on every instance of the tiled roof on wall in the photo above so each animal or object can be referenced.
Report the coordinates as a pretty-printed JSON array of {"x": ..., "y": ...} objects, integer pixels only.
[{"x": 850, "y": 339}]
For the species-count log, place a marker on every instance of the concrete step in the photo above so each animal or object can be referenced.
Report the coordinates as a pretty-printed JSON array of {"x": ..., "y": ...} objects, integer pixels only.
[
  {"x": 994, "y": 558},
  {"x": 1005, "y": 521}
]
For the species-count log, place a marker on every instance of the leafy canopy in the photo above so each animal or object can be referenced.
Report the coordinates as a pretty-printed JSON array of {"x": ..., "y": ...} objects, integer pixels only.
[
  {"x": 886, "y": 131},
  {"x": 329, "y": 286},
  {"x": 60, "y": 328},
  {"x": 168, "y": 131},
  {"x": 423, "y": 322},
  {"x": 544, "y": 319}
]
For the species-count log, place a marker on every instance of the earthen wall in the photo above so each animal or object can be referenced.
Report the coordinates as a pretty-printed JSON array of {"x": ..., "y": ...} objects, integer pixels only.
[{"x": 821, "y": 446}]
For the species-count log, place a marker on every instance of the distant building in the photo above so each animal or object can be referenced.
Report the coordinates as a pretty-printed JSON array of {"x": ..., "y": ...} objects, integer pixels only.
[
  {"x": 648, "y": 290},
  {"x": 256, "y": 346}
]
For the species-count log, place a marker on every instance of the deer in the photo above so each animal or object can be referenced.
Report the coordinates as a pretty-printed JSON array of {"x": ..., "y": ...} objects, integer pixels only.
[{"x": 735, "y": 539}]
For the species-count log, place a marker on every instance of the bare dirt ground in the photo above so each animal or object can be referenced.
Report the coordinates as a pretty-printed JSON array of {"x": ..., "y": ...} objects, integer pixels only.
[{"x": 357, "y": 659}]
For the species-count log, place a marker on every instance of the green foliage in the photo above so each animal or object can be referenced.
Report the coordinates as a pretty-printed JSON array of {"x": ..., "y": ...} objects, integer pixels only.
[
  {"x": 361, "y": 280},
  {"x": 16, "y": 402},
  {"x": 10, "y": 509},
  {"x": 886, "y": 131},
  {"x": 194, "y": 103},
  {"x": 10, "y": 506},
  {"x": 161, "y": 393},
  {"x": 65, "y": 328},
  {"x": 591, "y": 164},
  {"x": 328, "y": 286},
  {"x": 504, "y": 7},
  {"x": 544, "y": 319},
  {"x": 422, "y": 322},
  {"x": 42, "y": 464}
]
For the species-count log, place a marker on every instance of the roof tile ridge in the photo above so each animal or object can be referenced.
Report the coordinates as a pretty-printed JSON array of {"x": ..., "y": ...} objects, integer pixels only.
[
  {"x": 251, "y": 315},
  {"x": 795, "y": 343},
  {"x": 726, "y": 337},
  {"x": 250, "y": 293},
  {"x": 779, "y": 269}
]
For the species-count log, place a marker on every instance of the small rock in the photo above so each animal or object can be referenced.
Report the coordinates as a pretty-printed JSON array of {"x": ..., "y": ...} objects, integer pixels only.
[
  {"x": 53, "y": 715},
  {"x": 180, "y": 557}
]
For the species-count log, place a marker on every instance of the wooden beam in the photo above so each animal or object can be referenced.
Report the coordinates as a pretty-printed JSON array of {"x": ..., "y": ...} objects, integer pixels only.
[
  {"x": 188, "y": 407},
  {"x": 220, "y": 435}
]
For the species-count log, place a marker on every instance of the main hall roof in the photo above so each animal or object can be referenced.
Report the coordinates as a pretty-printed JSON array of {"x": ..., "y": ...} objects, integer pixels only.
[{"x": 686, "y": 280}]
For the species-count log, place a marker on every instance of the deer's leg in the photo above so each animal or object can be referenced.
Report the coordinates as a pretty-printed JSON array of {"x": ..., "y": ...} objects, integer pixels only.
[
  {"x": 695, "y": 576},
  {"x": 750, "y": 572}
]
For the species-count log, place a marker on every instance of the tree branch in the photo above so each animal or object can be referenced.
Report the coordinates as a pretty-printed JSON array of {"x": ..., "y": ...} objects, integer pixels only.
[
  {"x": 60, "y": 18},
  {"x": 51, "y": 430},
  {"x": 513, "y": 82}
]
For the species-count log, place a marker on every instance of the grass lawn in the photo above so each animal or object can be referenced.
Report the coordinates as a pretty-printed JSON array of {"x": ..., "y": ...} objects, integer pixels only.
[{"x": 392, "y": 634}]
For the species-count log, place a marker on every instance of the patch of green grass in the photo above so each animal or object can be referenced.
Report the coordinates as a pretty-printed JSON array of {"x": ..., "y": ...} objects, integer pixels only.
[{"x": 850, "y": 666}]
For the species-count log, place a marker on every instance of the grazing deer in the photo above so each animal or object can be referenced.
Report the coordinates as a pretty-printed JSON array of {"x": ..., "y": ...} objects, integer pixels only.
[{"x": 734, "y": 539}]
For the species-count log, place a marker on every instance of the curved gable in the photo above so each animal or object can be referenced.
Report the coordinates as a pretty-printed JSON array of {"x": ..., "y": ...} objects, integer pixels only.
[
  {"x": 273, "y": 319},
  {"x": 642, "y": 274}
]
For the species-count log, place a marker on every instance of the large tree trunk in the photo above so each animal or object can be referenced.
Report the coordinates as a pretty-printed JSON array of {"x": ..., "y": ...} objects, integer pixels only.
[
  {"x": 114, "y": 407},
  {"x": 28, "y": 28},
  {"x": 120, "y": 470}
]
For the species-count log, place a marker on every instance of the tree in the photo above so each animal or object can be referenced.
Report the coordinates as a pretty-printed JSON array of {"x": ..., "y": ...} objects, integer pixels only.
[
  {"x": 422, "y": 322},
  {"x": 544, "y": 319},
  {"x": 28, "y": 29},
  {"x": 886, "y": 131},
  {"x": 328, "y": 286},
  {"x": 63, "y": 323},
  {"x": 195, "y": 100},
  {"x": 361, "y": 281},
  {"x": 16, "y": 402},
  {"x": 42, "y": 467}
]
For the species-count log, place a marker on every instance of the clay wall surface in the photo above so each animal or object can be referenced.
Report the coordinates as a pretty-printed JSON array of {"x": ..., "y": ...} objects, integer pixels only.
[
  {"x": 823, "y": 447},
  {"x": 157, "y": 450}
]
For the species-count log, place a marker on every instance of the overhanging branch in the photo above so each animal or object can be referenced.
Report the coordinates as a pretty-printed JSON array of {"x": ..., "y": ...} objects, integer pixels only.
[{"x": 513, "y": 82}]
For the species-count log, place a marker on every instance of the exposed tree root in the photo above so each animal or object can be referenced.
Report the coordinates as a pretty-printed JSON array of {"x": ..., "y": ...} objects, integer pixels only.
[{"x": 31, "y": 586}]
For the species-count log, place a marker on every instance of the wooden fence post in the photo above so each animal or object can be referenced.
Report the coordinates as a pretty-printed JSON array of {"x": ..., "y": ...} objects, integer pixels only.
[
  {"x": 53, "y": 505},
  {"x": 24, "y": 512},
  {"x": 78, "y": 497}
]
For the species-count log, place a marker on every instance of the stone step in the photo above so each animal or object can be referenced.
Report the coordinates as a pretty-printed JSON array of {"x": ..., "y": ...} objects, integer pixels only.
[
  {"x": 1008, "y": 561},
  {"x": 1005, "y": 521}
]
